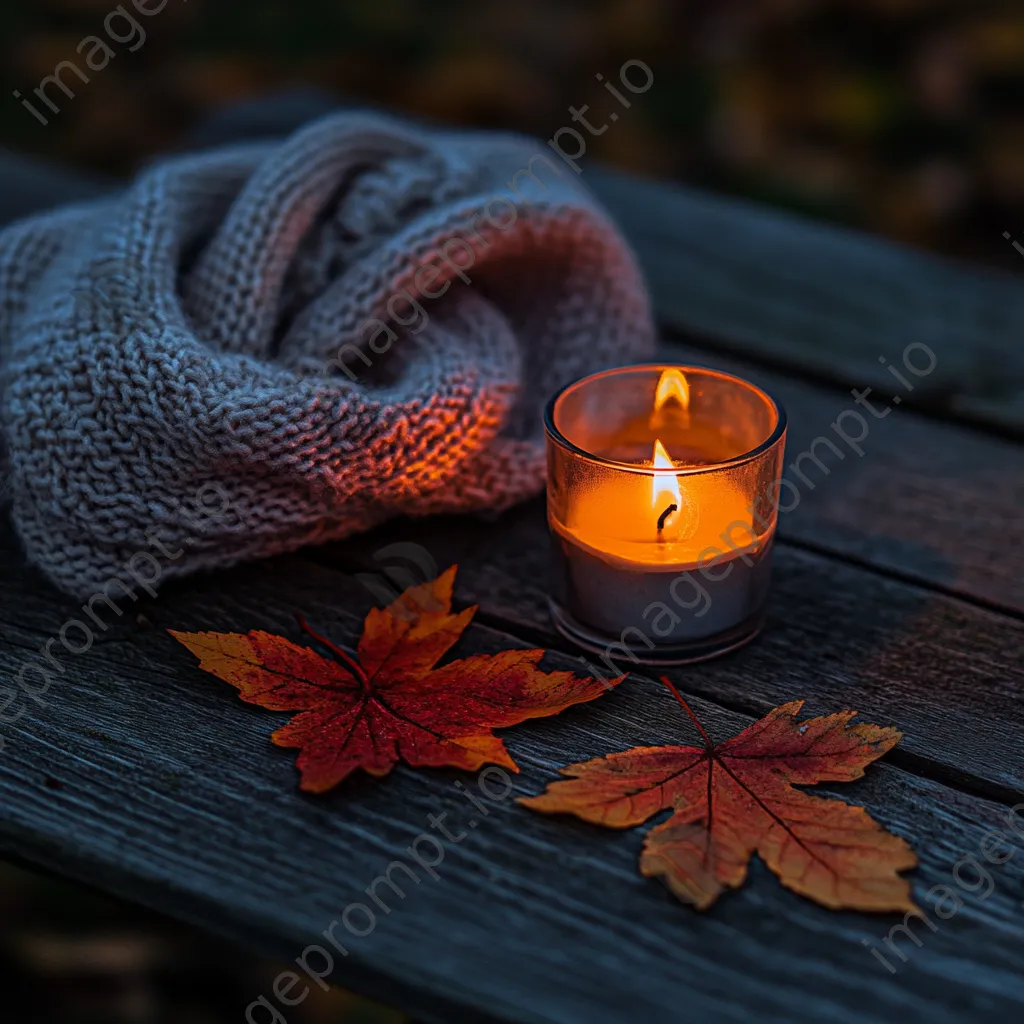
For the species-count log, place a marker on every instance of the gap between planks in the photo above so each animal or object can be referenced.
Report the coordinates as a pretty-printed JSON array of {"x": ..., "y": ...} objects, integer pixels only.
[{"x": 911, "y": 579}]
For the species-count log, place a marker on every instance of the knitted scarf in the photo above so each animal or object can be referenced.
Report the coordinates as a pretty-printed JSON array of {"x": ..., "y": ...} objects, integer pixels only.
[{"x": 266, "y": 346}]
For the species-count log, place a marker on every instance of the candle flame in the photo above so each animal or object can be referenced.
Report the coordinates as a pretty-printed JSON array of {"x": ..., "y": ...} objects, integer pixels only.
[
  {"x": 672, "y": 386},
  {"x": 664, "y": 487}
]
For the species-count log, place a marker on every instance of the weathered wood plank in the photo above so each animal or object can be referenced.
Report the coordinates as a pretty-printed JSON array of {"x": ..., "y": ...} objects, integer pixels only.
[
  {"x": 150, "y": 779},
  {"x": 932, "y": 501},
  {"x": 822, "y": 299},
  {"x": 947, "y": 673}
]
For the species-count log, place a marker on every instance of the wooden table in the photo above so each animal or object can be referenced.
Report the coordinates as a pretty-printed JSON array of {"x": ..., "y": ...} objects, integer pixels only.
[{"x": 898, "y": 592}]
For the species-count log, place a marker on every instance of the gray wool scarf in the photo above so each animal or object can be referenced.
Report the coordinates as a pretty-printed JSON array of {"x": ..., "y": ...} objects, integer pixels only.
[{"x": 274, "y": 344}]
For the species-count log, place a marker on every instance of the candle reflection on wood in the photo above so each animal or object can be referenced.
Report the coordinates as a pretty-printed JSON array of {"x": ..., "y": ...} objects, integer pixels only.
[{"x": 657, "y": 501}]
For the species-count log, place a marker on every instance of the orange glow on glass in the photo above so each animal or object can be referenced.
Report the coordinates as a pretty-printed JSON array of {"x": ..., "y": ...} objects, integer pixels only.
[{"x": 672, "y": 386}]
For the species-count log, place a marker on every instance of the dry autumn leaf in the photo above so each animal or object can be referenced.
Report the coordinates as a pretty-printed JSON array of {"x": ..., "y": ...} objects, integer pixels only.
[
  {"x": 736, "y": 798},
  {"x": 393, "y": 702}
]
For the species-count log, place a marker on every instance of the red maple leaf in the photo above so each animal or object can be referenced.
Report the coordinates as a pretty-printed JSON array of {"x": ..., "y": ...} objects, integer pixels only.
[
  {"x": 736, "y": 798},
  {"x": 393, "y": 702}
]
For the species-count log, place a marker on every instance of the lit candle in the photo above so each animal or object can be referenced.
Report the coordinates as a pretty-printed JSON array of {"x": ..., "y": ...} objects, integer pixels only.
[{"x": 660, "y": 481}]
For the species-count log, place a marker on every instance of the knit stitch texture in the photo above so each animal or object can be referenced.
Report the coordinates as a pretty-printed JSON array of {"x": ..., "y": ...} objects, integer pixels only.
[{"x": 187, "y": 337}]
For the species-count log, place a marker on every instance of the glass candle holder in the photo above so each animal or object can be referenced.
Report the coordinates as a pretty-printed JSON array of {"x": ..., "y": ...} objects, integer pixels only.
[{"x": 663, "y": 493}]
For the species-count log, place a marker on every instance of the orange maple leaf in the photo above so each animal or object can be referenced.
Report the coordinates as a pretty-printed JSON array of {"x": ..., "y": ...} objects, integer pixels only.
[
  {"x": 736, "y": 798},
  {"x": 392, "y": 703}
]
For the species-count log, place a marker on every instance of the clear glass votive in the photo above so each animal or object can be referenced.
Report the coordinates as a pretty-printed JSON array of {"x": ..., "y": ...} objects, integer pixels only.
[{"x": 663, "y": 494}]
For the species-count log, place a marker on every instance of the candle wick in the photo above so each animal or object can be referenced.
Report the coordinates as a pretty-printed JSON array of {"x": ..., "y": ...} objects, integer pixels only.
[{"x": 664, "y": 515}]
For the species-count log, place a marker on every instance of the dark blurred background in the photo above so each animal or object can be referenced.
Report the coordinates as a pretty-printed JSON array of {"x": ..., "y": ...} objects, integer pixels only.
[
  {"x": 899, "y": 117},
  {"x": 71, "y": 956}
]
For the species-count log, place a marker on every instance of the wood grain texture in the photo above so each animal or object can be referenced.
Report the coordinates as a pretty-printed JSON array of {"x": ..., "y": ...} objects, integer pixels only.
[
  {"x": 947, "y": 673},
  {"x": 150, "y": 779},
  {"x": 931, "y": 501},
  {"x": 824, "y": 300}
]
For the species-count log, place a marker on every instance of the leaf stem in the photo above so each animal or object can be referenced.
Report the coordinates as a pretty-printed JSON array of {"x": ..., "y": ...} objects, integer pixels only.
[
  {"x": 686, "y": 707},
  {"x": 350, "y": 663}
]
